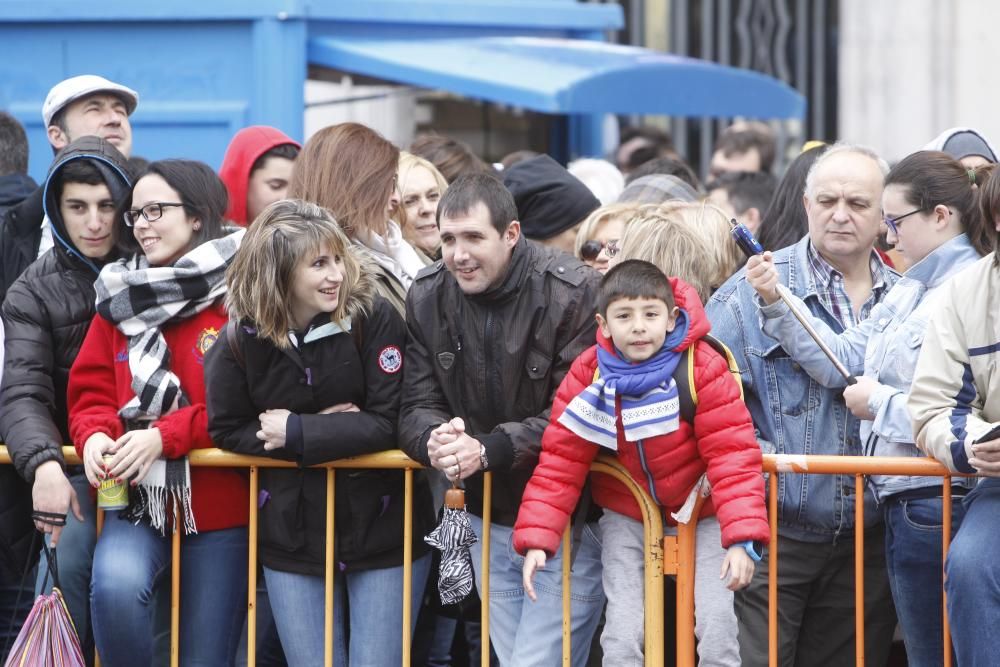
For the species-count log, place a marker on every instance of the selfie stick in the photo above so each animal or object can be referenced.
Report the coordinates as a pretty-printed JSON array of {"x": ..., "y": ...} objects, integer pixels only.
[{"x": 750, "y": 246}]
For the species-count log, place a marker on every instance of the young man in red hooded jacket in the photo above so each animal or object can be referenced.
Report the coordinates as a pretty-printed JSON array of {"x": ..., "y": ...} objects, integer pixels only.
[
  {"x": 621, "y": 395},
  {"x": 256, "y": 170}
]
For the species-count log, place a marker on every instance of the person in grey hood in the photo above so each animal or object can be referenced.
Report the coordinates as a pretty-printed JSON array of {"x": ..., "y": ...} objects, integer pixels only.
[{"x": 46, "y": 315}]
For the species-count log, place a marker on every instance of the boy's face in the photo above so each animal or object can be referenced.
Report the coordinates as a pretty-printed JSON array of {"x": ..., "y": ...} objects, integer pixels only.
[
  {"x": 638, "y": 327},
  {"x": 89, "y": 215},
  {"x": 268, "y": 184}
]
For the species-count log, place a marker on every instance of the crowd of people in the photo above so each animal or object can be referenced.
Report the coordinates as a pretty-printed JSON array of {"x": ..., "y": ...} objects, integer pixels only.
[{"x": 313, "y": 302}]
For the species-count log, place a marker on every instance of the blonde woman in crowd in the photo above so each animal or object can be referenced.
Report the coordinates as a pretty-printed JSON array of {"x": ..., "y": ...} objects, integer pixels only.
[
  {"x": 600, "y": 230},
  {"x": 421, "y": 187}
]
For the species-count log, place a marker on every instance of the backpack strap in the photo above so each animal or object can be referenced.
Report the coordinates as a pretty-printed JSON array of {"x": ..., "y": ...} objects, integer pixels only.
[
  {"x": 232, "y": 339},
  {"x": 687, "y": 393},
  {"x": 684, "y": 379}
]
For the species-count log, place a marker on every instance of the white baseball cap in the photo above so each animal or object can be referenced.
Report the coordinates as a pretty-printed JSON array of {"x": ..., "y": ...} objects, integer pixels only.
[{"x": 76, "y": 87}]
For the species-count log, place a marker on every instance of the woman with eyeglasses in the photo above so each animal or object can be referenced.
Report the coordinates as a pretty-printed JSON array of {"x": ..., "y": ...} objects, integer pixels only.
[
  {"x": 137, "y": 408},
  {"x": 929, "y": 205},
  {"x": 600, "y": 230}
]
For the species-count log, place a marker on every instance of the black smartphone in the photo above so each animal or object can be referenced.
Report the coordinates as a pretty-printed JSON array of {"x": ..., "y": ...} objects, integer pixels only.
[{"x": 992, "y": 434}]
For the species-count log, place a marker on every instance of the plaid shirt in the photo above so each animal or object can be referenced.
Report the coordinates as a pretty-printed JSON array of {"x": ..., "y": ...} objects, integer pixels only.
[{"x": 829, "y": 284}]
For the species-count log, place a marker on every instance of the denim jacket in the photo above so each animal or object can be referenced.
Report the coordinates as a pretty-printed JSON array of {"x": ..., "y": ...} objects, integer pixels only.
[
  {"x": 790, "y": 409},
  {"x": 885, "y": 348}
]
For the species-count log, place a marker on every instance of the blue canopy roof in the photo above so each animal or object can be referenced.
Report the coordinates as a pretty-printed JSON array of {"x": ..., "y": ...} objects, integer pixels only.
[{"x": 562, "y": 76}]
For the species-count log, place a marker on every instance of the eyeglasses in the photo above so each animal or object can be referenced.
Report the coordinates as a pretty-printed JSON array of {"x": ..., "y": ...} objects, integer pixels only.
[
  {"x": 590, "y": 250},
  {"x": 893, "y": 223},
  {"x": 152, "y": 212}
]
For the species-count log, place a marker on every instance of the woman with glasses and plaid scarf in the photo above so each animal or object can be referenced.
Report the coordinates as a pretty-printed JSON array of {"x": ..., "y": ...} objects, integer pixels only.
[{"x": 137, "y": 407}]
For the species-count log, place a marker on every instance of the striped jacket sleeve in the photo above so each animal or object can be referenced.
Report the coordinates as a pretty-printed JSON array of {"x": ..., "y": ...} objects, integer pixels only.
[{"x": 945, "y": 404}]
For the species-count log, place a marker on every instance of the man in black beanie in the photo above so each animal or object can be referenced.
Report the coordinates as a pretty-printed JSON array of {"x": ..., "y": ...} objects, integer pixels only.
[{"x": 551, "y": 202}]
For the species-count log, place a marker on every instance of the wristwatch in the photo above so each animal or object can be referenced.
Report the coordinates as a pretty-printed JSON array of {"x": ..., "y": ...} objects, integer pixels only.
[{"x": 484, "y": 462}]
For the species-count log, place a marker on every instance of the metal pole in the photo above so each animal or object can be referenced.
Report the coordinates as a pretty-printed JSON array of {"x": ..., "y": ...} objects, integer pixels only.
[
  {"x": 328, "y": 589},
  {"x": 786, "y": 296},
  {"x": 252, "y": 570}
]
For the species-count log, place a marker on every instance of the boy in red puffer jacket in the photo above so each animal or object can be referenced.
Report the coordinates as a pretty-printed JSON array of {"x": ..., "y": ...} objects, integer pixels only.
[{"x": 621, "y": 395}]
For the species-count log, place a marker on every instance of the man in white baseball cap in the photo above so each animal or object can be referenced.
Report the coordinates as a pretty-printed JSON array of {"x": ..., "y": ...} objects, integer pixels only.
[
  {"x": 85, "y": 105},
  {"x": 90, "y": 105}
]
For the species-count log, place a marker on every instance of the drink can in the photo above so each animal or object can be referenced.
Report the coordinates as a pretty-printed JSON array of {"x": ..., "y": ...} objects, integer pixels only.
[{"x": 112, "y": 494}]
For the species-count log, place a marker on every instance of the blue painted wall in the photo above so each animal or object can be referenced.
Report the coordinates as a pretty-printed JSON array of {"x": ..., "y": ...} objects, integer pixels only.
[{"x": 205, "y": 69}]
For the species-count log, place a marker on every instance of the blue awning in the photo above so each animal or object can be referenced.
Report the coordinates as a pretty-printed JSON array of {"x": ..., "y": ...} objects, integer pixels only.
[{"x": 562, "y": 76}]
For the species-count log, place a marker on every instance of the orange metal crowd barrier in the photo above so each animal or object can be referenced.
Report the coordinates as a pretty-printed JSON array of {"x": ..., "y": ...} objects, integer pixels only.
[
  {"x": 682, "y": 564},
  {"x": 673, "y": 555},
  {"x": 859, "y": 466}
]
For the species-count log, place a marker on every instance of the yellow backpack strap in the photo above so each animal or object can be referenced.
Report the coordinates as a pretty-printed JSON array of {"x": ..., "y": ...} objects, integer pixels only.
[{"x": 727, "y": 354}]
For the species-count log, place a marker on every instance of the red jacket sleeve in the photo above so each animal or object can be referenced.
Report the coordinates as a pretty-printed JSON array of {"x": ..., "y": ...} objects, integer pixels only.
[
  {"x": 184, "y": 429},
  {"x": 727, "y": 444},
  {"x": 556, "y": 483},
  {"x": 92, "y": 393}
]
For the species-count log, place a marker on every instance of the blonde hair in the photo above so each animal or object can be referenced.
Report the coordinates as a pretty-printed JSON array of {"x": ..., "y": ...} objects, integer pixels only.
[
  {"x": 601, "y": 215},
  {"x": 260, "y": 277},
  {"x": 713, "y": 224},
  {"x": 407, "y": 162},
  {"x": 673, "y": 245}
]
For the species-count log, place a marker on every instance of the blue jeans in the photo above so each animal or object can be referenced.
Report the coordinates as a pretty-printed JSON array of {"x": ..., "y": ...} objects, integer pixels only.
[
  {"x": 973, "y": 578},
  {"x": 75, "y": 556},
  {"x": 526, "y": 633},
  {"x": 913, "y": 560},
  {"x": 375, "y": 604},
  {"x": 129, "y": 562}
]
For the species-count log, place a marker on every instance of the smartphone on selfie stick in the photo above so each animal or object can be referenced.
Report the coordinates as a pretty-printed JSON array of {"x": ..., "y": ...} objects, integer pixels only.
[{"x": 751, "y": 246}]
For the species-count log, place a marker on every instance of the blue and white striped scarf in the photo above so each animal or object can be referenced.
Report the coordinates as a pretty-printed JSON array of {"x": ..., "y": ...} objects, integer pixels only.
[{"x": 650, "y": 405}]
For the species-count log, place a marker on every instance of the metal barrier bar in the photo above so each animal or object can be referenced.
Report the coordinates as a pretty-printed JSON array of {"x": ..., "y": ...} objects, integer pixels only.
[
  {"x": 175, "y": 592},
  {"x": 653, "y": 529},
  {"x": 484, "y": 591},
  {"x": 859, "y": 569},
  {"x": 331, "y": 477},
  {"x": 567, "y": 614},
  {"x": 252, "y": 569},
  {"x": 772, "y": 572},
  {"x": 407, "y": 561},
  {"x": 945, "y": 544}
]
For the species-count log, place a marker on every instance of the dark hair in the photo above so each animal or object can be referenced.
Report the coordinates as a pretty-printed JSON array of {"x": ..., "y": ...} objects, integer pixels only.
[
  {"x": 471, "y": 189},
  {"x": 200, "y": 190},
  {"x": 746, "y": 189},
  {"x": 76, "y": 171},
  {"x": 989, "y": 204},
  {"x": 136, "y": 165},
  {"x": 284, "y": 151},
  {"x": 931, "y": 178},
  {"x": 746, "y": 138},
  {"x": 785, "y": 222},
  {"x": 633, "y": 279},
  {"x": 655, "y": 143},
  {"x": 451, "y": 157},
  {"x": 667, "y": 166},
  {"x": 13, "y": 146}
]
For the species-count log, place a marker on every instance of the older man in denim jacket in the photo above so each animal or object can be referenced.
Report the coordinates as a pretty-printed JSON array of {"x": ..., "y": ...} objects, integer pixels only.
[{"x": 836, "y": 272}]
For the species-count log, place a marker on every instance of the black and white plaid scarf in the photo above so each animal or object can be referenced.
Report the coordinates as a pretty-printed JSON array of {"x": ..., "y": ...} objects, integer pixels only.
[{"x": 139, "y": 299}]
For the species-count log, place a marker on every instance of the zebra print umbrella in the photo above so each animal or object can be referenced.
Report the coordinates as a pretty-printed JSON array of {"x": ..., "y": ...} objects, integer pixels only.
[{"x": 454, "y": 536}]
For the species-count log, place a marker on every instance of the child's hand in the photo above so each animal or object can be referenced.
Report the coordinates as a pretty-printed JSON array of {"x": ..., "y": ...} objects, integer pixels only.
[
  {"x": 738, "y": 566},
  {"x": 533, "y": 560}
]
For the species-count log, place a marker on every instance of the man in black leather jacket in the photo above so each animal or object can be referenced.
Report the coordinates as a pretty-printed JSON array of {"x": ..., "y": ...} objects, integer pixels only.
[{"x": 493, "y": 328}]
